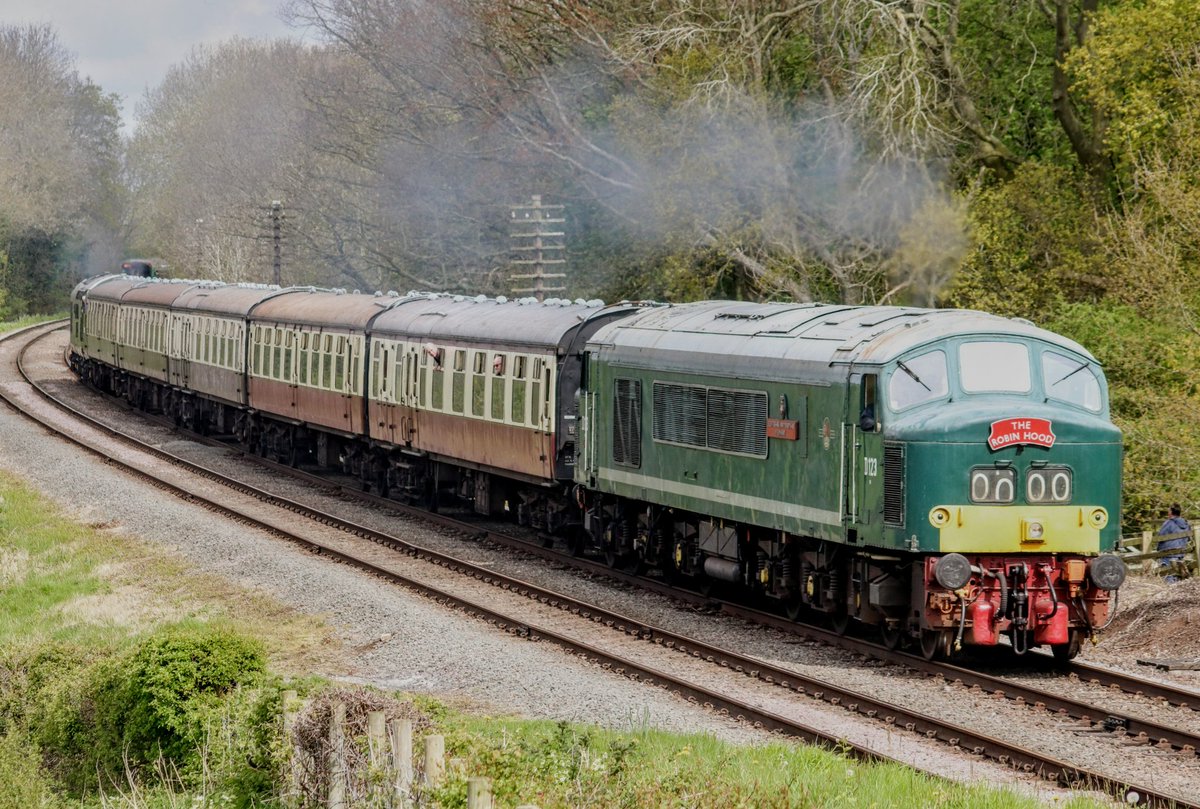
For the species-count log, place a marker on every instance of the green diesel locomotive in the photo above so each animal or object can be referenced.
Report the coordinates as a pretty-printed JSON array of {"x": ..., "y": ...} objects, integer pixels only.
[{"x": 950, "y": 476}]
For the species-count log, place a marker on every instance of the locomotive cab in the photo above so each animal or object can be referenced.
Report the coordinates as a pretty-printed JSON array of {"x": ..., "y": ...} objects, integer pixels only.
[{"x": 1016, "y": 509}]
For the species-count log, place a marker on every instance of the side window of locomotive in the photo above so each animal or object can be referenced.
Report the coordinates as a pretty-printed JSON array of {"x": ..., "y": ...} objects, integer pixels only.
[
  {"x": 994, "y": 367},
  {"x": 993, "y": 485},
  {"x": 918, "y": 380},
  {"x": 1072, "y": 381}
]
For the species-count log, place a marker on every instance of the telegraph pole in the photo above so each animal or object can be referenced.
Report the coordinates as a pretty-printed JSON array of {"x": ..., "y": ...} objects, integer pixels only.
[
  {"x": 276, "y": 236},
  {"x": 533, "y": 237}
]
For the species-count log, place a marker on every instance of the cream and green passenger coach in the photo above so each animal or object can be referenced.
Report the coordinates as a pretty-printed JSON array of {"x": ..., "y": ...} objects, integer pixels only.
[{"x": 949, "y": 475}]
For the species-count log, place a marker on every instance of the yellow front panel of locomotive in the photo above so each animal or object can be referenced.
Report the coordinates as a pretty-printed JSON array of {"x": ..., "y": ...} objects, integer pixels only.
[{"x": 1019, "y": 529}]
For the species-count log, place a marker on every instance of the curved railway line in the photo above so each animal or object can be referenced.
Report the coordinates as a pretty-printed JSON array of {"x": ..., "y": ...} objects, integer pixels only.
[{"x": 254, "y": 505}]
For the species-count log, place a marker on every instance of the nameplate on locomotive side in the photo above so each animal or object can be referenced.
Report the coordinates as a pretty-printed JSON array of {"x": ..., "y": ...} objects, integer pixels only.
[
  {"x": 1010, "y": 432},
  {"x": 786, "y": 429}
]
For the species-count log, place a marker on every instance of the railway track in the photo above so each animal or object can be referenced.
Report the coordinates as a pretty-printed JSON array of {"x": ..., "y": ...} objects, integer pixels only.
[{"x": 793, "y": 681}]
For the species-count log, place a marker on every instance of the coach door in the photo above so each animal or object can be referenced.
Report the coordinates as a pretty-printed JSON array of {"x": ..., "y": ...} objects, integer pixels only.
[
  {"x": 410, "y": 396},
  {"x": 183, "y": 350}
]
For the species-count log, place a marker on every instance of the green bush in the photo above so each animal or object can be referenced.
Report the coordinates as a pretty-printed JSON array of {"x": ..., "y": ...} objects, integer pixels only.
[
  {"x": 23, "y": 784},
  {"x": 173, "y": 700}
]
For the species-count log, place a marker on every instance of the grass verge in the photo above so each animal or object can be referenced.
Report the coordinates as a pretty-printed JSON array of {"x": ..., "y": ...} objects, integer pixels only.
[{"x": 128, "y": 680}]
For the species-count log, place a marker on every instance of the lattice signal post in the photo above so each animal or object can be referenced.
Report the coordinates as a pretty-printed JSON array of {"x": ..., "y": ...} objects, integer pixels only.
[{"x": 538, "y": 246}]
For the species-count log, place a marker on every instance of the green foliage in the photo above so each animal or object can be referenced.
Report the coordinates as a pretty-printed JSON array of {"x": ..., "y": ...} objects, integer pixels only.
[
  {"x": 1137, "y": 69},
  {"x": 1009, "y": 49},
  {"x": 1035, "y": 246},
  {"x": 559, "y": 765},
  {"x": 1151, "y": 365},
  {"x": 173, "y": 700},
  {"x": 23, "y": 784}
]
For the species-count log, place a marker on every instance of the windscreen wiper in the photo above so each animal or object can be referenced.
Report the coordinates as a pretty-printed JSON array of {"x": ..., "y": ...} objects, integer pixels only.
[{"x": 909, "y": 371}]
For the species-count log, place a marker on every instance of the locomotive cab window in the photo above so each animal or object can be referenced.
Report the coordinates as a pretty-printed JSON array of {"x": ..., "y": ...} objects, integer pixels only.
[
  {"x": 994, "y": 367},
  {"x": 1072, "y": 381},
  {"x": 918, "y": 380}
]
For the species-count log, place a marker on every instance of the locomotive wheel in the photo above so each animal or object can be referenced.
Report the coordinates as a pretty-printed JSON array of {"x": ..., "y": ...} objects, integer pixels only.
[
  {"x": 840, "y": 622},
  {"x": 935, "y": 643},
  {"x": 577, "y": 540},
  {"x": 1066, "y": 652},
  {"x": 624, "y": 562},
  {"x": 892, "y": 636},
  {"x": 793, "y": 609}
]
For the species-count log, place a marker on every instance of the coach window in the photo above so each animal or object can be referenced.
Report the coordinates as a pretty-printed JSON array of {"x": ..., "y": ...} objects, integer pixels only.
[
  {"x": 326, "y": 380},
  {"x": 499, "y": 383},
  {"x": 258, "y": 351},
  {"x": 437, "y": 381},
  {"x": 339, "y": 364},
  {"x": 305, "y": 357},
  {"x": 518, "y": 389},
  {"x": 478, "y": 382},
  {"x": 289, "y": 348},
  {"x": 458, "y": 382},
  {"x": 535, "y": 392},
  {"x": 356, "y": 365}
]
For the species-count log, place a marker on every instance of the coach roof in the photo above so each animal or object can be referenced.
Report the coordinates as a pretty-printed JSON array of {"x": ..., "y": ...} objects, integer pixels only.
[
  {"x": 309, "y": 306},
  {"x": 496, "y": 321}
]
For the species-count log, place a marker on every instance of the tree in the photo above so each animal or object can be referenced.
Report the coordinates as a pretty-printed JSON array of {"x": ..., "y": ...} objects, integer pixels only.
[
  {"x": 59, "y": 165},
  {"x": 222, "y": 137}
]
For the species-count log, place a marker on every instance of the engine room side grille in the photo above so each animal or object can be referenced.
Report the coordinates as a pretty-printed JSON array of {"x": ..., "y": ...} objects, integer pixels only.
[
  {"x": 627, "y": 423},
  {"x": 680, "y": 414},
  {"x": 893, "y": 484},
  {"x": 712, "y": 418}
]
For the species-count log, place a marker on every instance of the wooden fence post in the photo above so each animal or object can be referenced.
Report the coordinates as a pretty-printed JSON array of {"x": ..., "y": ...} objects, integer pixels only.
[
  {"x": 377, "y": 750},
  {"x": 1147, "y": 565},
  {"x": 337, "y": 757},
  {"x": 291, "y": 788},
  {"x": 401, "y": 733},
  {"x": 435, "y": 759},
  {"x": 479, "y": 793}
]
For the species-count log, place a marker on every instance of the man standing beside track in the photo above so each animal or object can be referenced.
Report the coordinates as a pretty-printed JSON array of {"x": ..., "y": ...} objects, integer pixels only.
[{"x": 1175, "y": 524}]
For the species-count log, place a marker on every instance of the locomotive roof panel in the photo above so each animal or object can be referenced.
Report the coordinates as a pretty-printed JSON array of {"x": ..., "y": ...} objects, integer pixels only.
[
  {"x": 322, "y": 308},
  {"x": 235, "y": 299},
  {"x": 490, "y": 320},
  {"x": 773, "y": 336}
]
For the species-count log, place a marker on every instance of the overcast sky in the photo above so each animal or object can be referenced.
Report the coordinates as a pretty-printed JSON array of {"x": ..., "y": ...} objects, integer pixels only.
[{"x": 126, "y": 46}]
